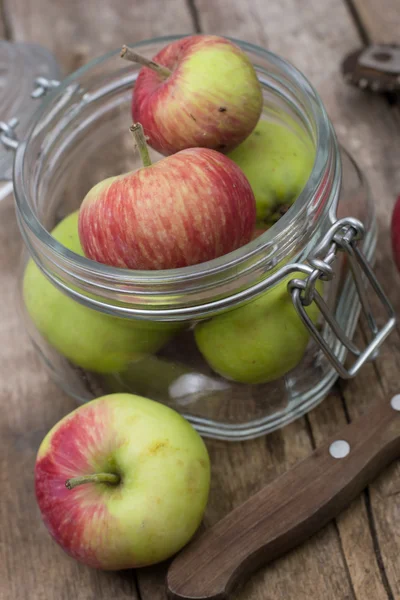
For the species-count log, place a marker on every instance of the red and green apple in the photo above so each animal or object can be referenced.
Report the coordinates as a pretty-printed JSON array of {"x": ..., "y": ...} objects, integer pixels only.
[
  {"x": 185, "y": 209},
  {"x": 122, "y": 482},
  {"x": 199, "y": 91}
]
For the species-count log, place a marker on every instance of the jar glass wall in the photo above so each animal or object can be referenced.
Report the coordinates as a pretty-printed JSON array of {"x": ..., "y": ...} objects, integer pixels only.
[{"x": 220, "y": 342}]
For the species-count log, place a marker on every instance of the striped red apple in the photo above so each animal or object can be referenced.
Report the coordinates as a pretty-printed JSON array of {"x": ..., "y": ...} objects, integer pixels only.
[{"x": 186, "y": 209}]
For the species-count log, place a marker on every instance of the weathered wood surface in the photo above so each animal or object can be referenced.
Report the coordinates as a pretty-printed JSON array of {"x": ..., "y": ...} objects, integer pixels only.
[
  {"x": 3, "y": 34},
  {"x": 358, "y": 556},
  {"x": 288, "y": 511},
  {"x": 77, "y": 31},
  {"x": 379, "y": 21},
  {"x": 316, "y": 39},
  {"x": 31, "y": 565}
]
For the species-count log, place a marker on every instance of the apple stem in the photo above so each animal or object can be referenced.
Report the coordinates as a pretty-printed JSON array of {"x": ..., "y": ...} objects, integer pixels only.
[
  {"x": 111, "y": 478},
  {"x": 133, "y": 56},
  {"x": 140, "y": 139}
]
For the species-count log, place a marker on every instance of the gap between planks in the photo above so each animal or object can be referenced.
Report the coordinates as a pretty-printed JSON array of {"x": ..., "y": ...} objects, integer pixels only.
[
  {"x": 194, "y": 13},
  {"x": 5, "y": 31}
]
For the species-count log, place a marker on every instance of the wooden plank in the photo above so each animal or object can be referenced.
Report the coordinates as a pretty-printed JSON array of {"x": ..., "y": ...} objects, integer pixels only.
[
  {"x": 362, "y": 546},
  {"x": 379, "y": 20},
  {"x": 347, "y": 572},
  {"x": 238, "y": 471},
  {"x": 299, "y": 575},
  {"x": 380, "y": 23},
  {"x": 78, "y": 31},
  {"x": 383, "y": 497},
  {"x": 2, "y": 23},
  {"x": 31, "y": 565},
  {"x": 367, "y": 531}
]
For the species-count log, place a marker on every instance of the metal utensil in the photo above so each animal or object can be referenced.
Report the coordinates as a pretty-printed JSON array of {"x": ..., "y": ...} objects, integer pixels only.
[{"x": 375, "y": 67}]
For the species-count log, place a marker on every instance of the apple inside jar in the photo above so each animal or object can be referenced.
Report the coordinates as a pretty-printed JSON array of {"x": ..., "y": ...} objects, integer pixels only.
[
  {"x": 253, "y": 344},
  {"x": 213, "y": 206}
]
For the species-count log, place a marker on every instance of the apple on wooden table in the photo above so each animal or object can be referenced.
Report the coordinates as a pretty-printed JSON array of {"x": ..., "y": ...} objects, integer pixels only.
[{"x": 122, "y": 482}]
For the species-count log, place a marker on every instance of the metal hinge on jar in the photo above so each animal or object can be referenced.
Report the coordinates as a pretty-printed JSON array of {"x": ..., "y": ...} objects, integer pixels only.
[
  {"x": 343, "y": 236},
  {"x": 43, "y": 85},
  {"x": 8, "y": 136}
]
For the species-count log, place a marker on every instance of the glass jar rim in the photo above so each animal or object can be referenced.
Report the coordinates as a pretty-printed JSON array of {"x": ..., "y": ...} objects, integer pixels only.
[{"x": 323, "y": 133}]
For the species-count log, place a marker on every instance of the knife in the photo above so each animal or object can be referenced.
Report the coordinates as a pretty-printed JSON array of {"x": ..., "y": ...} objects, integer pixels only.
[{"x": 289, "y": 510}]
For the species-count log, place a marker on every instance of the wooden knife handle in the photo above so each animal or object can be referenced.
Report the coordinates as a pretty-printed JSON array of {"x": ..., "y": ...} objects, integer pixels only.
[{"x": 289, "y": 510}]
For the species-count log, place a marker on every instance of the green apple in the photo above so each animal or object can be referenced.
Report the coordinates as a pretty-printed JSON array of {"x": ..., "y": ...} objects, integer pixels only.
[
  {"x": 277, "y": 161},
  {"x": 122, "y": 482},
  {"x": 88, "y": 338},
  {"x": 258, "y": 342}
]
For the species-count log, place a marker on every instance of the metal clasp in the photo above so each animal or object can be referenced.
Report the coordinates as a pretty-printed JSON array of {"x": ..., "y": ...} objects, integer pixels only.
[
  {"x": 343, "y": 236},
  {"x": 43, "y": 85},
  {"x": 7, "y": 136}
]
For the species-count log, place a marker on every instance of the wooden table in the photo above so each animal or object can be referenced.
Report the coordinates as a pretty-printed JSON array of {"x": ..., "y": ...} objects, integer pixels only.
[{"x": 357, "y": 556}]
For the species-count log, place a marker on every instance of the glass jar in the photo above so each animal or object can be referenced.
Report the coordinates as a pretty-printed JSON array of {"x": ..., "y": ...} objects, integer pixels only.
[{"x": 101, "y": 329}]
